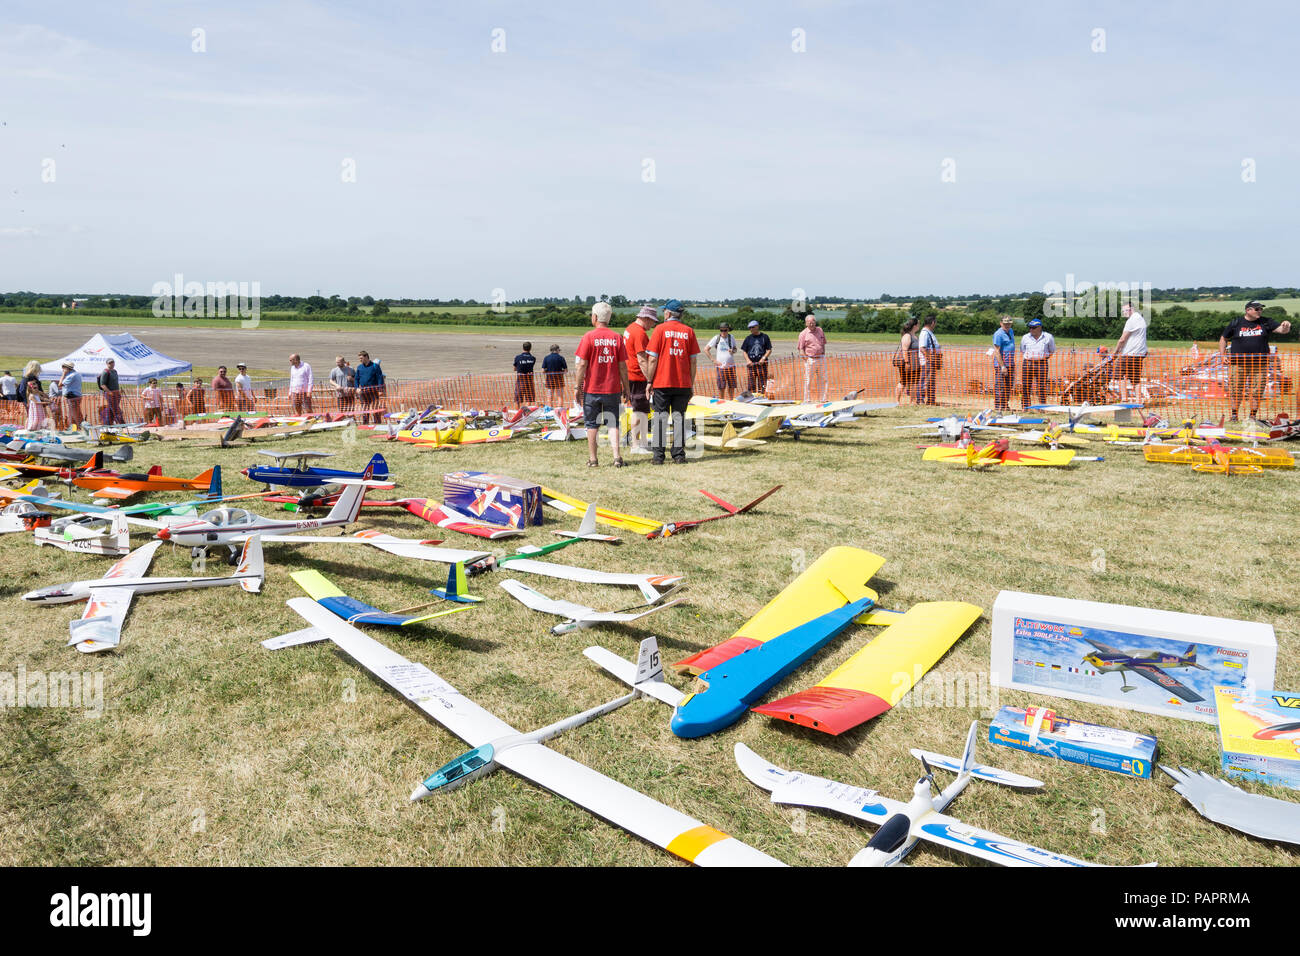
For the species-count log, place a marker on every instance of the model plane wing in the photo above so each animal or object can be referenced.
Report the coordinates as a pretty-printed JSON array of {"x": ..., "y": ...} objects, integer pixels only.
[
  {"x": 1260, "y": 816},
  {"x": 577, "y": 615},
  {"x": 115, "y": 492},
  {"x": 838, "y": 576},
  {"x": 648, "y": 584},
  {"x": 947, "y": 831},
  {"x": 805, "y": 790},
  {"x": 613, "y": 519},
  {"x": 875, "y": 678},
  {"x": 1104, "y": 648},
  {"x": 100, "y": 627},
  {"x": 1161, "y": 679}
]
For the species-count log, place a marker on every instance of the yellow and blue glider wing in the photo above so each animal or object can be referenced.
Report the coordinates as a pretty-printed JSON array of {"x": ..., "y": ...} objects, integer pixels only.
[
  {"x": 325, "y": 593},
  {"x": 875, "y": 678},
  {"x": 837, "y": 578}
]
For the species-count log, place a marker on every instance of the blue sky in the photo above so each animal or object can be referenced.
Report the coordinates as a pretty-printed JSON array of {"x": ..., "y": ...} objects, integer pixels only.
[{"x": 523, "y": 170}]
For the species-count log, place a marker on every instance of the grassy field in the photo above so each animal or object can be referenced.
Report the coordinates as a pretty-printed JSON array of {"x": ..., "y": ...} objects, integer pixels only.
[{"x": 211, "y": 750}]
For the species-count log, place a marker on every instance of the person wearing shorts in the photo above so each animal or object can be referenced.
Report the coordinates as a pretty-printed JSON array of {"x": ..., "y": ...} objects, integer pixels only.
[
  {"x": 811, "y": 344},
  {"x": 602, "y": 381},
  {"x": 1249, "y": 355},
  {"x": 671, "y": 372},
  {"x": 722, "y": 348},
  {"x": 757, "y": 348},
  {"x": 525, "y": 387},
  {"x": 1130, "y": 350},
  {"x": 152, "y": 399},
  {"x": 553, "y": 368},
  {"x": 636, "y": 339},
  {"x": 300, "y": 384}
]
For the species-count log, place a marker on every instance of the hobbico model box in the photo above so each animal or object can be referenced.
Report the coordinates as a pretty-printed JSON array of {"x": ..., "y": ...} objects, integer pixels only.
[
  {"x": 495, "y": 499},
  {"x": 1259, "y": 733},
  {"x": 1040, "y": 731},
  {"x": 1158, "y": 662}
]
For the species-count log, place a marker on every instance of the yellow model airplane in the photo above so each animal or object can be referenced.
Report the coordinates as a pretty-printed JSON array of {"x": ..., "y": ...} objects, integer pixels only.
[
  {"x": 1220, "y": 459},
  {"x": 996, "y": 453},
  {"x": 765, "y": 426},
  {"x": 434, "y": 436},
  {"x": 613, "y": 519}
]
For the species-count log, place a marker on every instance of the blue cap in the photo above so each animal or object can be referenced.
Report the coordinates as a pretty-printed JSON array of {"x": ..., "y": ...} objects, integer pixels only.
[
  {"x": 672, "y": 305},
  {"x": 1034, "y": 323}
]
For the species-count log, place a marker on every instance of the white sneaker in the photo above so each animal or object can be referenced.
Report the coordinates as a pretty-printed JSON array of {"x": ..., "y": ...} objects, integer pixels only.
[{"x": 640, "y": 450}]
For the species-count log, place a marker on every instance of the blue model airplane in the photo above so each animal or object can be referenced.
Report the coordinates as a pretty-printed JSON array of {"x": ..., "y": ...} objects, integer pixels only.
[{"x": 302, "y": 475}]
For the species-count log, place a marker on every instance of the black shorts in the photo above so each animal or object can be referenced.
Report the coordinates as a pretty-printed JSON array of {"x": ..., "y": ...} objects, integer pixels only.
[
  {"x": 600, "y": 411},
  {"x": 639, "y": 401}
]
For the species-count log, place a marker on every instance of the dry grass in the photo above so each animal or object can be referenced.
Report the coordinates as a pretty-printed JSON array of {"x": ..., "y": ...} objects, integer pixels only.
[{"x": 214, "y": 751}]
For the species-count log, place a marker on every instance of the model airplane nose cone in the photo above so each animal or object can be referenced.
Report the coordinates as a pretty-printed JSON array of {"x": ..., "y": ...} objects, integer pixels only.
[{"x": 165, "y": 534}]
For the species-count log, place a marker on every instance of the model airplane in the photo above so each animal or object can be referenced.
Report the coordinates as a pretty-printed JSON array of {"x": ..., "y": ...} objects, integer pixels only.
[
  {"x": 497, "y": 744},
  {"x": 452, "y": 433},
  {"x": 60, "y": 452},
  {"x": 578, "y": 615},
  {"x": 730, "y": 511},
  {"x": 111, "y": 484},
  {"x": 301, "y": 474},
  {"x": 612, "y": 519},
  {"x": 903, "y": 825},
  {"x": 109, "y": 598},
  {"x": 997, "y": 452},
  {"x": 325, "y": 593},
  {"x": 88, "y": 534},
  {"x": 1149, "y": 664},
  {"x": 1265, "y": 817},
  {"x": 649, "y": 585},
  {"x": 230, "y": 526},
  {"x": 1076, "y": 413},
  {"x": 1220, "y": 459},
  {"x": 765, "y": 426}
]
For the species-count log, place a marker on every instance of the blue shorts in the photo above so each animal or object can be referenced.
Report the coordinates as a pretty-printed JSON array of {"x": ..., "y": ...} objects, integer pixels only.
[{"x": 600, "y": 411}]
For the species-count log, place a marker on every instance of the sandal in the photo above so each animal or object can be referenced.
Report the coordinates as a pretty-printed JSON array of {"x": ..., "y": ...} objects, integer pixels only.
[
  {"x": 593, "y": 463},
  {"x": 618, "y": 462}
]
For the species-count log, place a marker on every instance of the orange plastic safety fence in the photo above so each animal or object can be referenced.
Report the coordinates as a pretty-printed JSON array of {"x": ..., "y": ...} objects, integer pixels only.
[{"x": 1172, "y": 383}]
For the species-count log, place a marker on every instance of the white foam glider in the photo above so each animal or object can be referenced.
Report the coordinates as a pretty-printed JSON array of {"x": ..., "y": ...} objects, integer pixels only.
[
  {"x": 587, "y": 529},
  {"x": 577, "y": 615},
  {"x": 647, "y": 583},
  {"x": 109, "y": 598},
  {"x": 1261, "y": 816},
  {"x": 496, "y": 743},
  {"x": 902, "y": 825}
]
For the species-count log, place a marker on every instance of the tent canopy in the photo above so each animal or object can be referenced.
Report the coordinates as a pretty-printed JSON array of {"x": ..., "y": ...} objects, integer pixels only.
[{"x": 136, "y": 363}]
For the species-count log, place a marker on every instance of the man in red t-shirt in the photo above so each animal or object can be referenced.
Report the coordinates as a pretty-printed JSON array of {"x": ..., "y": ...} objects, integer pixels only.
[
  {"x": 671, "y": 372},
  {"x": 602, "y": 381},
  {"x": 637, "y": 339}
]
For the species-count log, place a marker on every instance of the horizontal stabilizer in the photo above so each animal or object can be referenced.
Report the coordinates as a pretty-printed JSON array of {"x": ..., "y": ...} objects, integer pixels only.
[
  {"x": 713, "y": 656},
  {"x": 832, "y": 710},
  {"x": 307, "y": 635},
  {"x": 991, "y": 774},
  {"x": 626, "y": 671}
]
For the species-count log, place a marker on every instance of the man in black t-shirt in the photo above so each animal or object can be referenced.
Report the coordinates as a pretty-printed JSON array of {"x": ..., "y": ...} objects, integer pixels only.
[
  {"x": 1248, "y": 358},
  {"x": 524, "y": 389},
  {"x": 757, "y": 347}
]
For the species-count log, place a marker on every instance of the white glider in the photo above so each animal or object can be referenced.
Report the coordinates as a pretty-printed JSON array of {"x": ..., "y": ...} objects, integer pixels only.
[
  {"x": 902, "y": 825},
  {"x": 1265, "y": 817},
  {"x": 109, "y": 598},
  {"x": 576, "y": 615},
  {"x": 497, "y": 743},
  {"x": 647, "y": 583},
  {"x": 88, "y": 534}
]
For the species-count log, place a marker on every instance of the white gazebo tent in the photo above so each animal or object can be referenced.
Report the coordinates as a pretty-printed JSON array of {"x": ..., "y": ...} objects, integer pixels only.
[{"x": 136, "y": 362}]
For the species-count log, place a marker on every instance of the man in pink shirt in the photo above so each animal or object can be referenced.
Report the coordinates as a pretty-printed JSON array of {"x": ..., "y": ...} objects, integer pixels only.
[
  {"x": 812, "y": 346},
  {"x": 299, "y": 385}
]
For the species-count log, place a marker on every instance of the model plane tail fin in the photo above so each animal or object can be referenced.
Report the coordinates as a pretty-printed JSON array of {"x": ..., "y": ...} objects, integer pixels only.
[
  {"x": 250, "y": 568},
  {"x": 457, "y": 588},
  {"x": 157, "y": 470},
  {"x": 968, "y": 755},
  {"x": 588, "y": 525},
  {"x": 649, "y": 665},
  {"x": 348, "y": 505},
  {"x": 213, "y": 475},
  {"x": 724, "y": 505}
]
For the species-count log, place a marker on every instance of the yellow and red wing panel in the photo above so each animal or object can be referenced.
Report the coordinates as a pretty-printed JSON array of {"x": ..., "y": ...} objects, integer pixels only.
[{"x": 876, "y": 677}]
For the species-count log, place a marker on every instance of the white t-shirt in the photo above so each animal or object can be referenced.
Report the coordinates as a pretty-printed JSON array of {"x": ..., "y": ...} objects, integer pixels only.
[
  {"x": 725, "y": 347},
  {"x": 243, "y": 384},
  {"x": 8, "y": 385},
  {"x": 1136, "y": 343}
]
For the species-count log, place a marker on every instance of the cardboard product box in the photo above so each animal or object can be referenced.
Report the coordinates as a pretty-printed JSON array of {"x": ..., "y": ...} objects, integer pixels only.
[
  {"x": 1259, "y": 734},
  {"x": 1157, "y": 662},
  {"x": 1036, "y": 730},
  {"x": 496, "y": 499}
]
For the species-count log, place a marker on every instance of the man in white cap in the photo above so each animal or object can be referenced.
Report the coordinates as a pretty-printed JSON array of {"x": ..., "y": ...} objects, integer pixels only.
[
  {"x": 243, "y": 389},
  {"x": 636, "y": 339}
]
